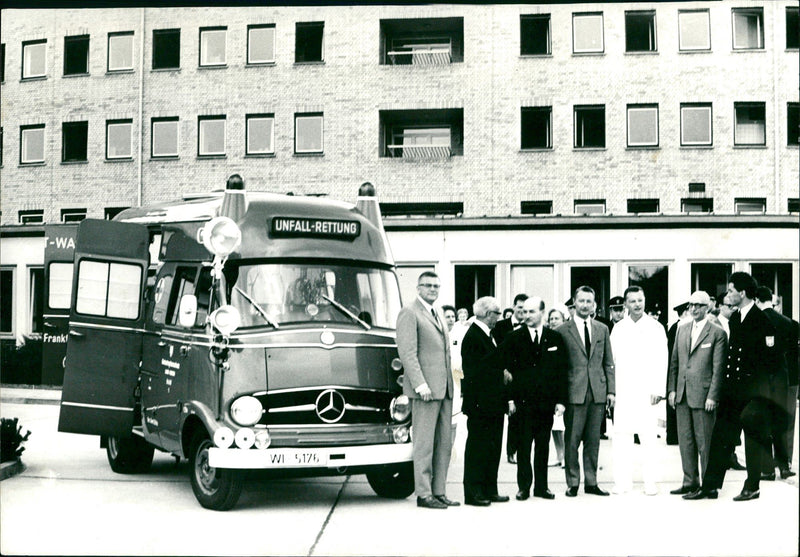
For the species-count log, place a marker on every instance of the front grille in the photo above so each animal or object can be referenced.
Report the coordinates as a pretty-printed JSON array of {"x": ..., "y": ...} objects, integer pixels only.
[{"x": 300, "y": 407}]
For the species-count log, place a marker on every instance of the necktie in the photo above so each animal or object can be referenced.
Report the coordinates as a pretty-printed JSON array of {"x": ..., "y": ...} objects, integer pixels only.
[
  {"x": 517, "y": 325},
  {"x": 536, "y": 337},
  {"x": 435, "y": 318},
  {"x": 586, "y": 342}
]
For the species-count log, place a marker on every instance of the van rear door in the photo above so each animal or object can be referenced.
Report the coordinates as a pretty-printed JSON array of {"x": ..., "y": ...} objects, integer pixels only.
[{"x": 105, "y": 330}]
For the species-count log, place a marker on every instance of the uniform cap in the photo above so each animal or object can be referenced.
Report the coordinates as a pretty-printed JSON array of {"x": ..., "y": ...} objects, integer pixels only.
[{"x": 616, "y": 302}]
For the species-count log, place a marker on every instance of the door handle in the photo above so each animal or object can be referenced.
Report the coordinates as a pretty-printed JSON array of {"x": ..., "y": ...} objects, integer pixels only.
[
  {"x": 76, "y": 334},
  {"x": 162, "y": 344},
  {"x": 185, "y": 349}
]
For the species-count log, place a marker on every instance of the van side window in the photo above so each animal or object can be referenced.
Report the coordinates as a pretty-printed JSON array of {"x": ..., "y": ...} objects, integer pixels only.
[
  {"x": 109, "y": 289},
  {"x": 183, "y": 285},
  {"x": 161, "y": 297}
]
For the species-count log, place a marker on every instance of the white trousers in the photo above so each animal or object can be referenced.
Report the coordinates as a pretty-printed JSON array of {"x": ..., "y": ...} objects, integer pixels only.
[{"x": 624, "y": 455}]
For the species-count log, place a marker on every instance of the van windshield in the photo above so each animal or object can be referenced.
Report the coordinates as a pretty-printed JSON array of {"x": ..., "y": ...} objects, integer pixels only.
[{"x": 282, "y": 293}]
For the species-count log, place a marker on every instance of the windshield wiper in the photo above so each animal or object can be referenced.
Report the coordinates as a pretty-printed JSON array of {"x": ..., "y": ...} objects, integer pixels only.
[
  {"x": 259, "y": 309},
  {"x": 347, "y": 312}
]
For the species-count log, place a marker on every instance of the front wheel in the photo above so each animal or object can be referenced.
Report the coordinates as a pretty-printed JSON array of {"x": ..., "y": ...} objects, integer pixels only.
[
  {"x": 217, "y": 489},
  {"x": 129, "y": 455},
  {"x": 393, "y": 481}
]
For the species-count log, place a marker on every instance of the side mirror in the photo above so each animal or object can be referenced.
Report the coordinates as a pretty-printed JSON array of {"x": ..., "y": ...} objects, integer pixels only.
[{"x": 187, "y": 312}]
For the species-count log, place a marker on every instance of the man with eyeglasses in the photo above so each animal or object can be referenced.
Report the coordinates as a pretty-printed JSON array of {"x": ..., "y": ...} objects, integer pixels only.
[
  {"x": 423, "y": 346},
  {"x": 726, "y": 309}
]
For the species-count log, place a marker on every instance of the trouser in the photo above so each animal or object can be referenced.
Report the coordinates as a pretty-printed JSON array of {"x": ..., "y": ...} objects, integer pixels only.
[
  {"x": 582, "y": 425},
  {"x": 482, "y": 455},
  {"x": 622, "y": 449},
  {"x": 432, "y": 444},
  {"x": 535, "y": 424},
  {"x": 695, "y": 427},
  {"x": 791, "y": 407},
  {"x": 512, "y": 435},
  {"x": 778, "y": 452}
]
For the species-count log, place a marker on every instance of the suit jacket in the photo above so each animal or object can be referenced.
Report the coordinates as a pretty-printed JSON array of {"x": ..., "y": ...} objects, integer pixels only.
[
  {"x": 540, "y": 375},
  {"x": 594, "y": 370},
  {"x": 695, "y": 372},
  {"x": 482, "y": 388},
  {"x": 785, "y": 342},
  {"x": 501, "y": 329},
  {"x": 752, "y": 357},
  {"x": 423, "y": 347}
]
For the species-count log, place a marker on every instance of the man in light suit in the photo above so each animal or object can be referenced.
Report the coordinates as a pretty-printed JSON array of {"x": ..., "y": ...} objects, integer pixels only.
[
  {"x": 591, "y": 389},
  {"x": 695, "y": 378},
  {"x": 423, "y": 346}
]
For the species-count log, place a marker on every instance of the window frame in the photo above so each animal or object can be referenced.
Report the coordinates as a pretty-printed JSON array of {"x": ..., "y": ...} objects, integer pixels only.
[
  {"x": 793, "y": 124},
  {"x": 2, "y": 62},
  {"x": 642, "y": 108},
  {"x": 31, "y": 216},
  {"x": 73, "y": 214},
  {"x": 117, "y": 35},
  {"x": 163, "y": 33},
  {"x": 706, "y": 204},
  {"x": 748, "y": 105},
  {"x": 309, "y": 24},
  {"x": 71, "y": 40},
  {"x": 9, "y": 298},
  {"x": 600, "y": 203},
  {"x": 202, "y": 50},
  {"x": 153, "y": 125},
  {"x": 81, "y": 288},
  {"x": 31, "y": 44},
  {"x": 587, "y": 15},
  {"x": 578, "y": 110},
  {"x": 758, "y": 13},
  {"x": 531, "y": 110},
  {"x": 201, "y": 120},
  {"x": 681, "y": 46},
  {"x": 109, "y": 124},
  {"x": 631, "y": 205},
  {"x": 549, "y": 38},
  {"x": 65, "y": 141},
  {"x": 536, "y": 207},
  {"x": 261, "y": 26},
  {"x": 653, "y": 27},
  {"x": 253, "y": 117},
  {"x": 740, "y": 205},
  {"x": 795, "y": 36},
  {"x": 23, "y": 149},
  {"x": 695, "y": 106},
  {"x": 309, "y": 115},
  {"x": 35, "y": 299}
]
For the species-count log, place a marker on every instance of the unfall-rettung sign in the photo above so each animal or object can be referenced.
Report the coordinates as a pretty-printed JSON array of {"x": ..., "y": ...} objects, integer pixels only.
[{"x": 315, "y": 228}]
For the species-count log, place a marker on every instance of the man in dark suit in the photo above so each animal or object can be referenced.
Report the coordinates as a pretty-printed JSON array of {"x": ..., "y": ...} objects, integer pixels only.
[
  {"x": 423, "y": 346},
  {"x": 504, "y": 327},
  {"x": 786, "y": 344},
  {"x": 536, "y": 358},
  {"x": 484, "y": 404},
  {"x": 746, "y": 399},
  {"x": 590, "y": 380}
]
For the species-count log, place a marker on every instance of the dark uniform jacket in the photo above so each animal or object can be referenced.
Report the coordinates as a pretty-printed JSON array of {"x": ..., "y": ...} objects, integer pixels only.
[
  {"x": 540, "y": 374},
  {"x": 752, "y": 357},
  {"x": 482, "y": 388},
  {"x": 501, "y": 329}
]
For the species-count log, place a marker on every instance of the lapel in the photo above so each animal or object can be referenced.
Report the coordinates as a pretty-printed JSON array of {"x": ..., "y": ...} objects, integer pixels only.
[
  {"x": 701, "y": 337},
  {"x": 436, "y": 322},
  {"x": 574, "y": 330}
]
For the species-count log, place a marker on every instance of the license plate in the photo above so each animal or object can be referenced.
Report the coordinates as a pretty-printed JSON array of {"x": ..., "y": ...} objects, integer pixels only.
[{"x": 291, "y": 458}]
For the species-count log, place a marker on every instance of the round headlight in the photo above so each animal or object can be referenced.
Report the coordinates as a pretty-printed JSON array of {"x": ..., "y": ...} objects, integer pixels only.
[
  {"x": 263, "y": 439},
  {"x": 400, "y": 408},
  {"x": 223, "y": 437},
  {"x": 397, "y": 364},
  {"x": 401, "y": 435},
  {"x": 245, "y": 438},
  {"x": 226, "y": 319},
  {"x": 220, "y": 236},
  {"x": 246, "y": 410}
]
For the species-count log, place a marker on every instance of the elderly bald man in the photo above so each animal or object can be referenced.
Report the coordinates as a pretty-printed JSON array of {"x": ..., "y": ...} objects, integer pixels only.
[{"x": 693, "y": 385}]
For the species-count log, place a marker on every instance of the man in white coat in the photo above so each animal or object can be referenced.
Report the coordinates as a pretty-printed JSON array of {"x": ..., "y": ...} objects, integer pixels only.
[{"x": 639, "y": 345}]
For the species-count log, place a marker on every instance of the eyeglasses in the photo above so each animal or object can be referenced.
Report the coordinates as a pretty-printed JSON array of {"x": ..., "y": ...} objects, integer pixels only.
[
  {"x": 693, "y": 305},
  {"x": 496, "y": 312},
  {"x": 429, "y": 285}
]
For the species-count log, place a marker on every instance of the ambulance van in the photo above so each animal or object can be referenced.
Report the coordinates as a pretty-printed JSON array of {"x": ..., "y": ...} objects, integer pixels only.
[{"x": 241, "y": 331}]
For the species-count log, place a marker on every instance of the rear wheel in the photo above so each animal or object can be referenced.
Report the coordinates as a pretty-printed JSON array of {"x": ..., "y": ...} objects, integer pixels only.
[
  {"x": 395, "y": 481},
  {"x": 215, "y": 488},
  {"x": 129, "y": 455}
]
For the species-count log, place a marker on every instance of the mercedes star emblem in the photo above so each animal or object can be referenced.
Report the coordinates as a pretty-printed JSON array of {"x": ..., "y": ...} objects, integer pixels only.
[{"x": 330, "y": 406}]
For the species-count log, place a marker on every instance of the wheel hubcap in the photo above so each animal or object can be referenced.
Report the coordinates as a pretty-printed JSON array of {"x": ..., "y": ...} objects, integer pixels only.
[{"x": 206, "y": 474}]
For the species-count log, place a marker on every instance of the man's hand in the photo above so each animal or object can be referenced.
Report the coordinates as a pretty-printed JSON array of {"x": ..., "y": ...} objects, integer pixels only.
[
  {"x": 560, "y": 409},
  {"x": 711, "y": 405},
  {"x": 426, "y": 394},
  {"x": 610, "y": 401},
  {"x": 507, "y": 377},
  {"x": 655, "y": 399},
  {"x": 511, "y": 407},
  {"x": 671, "y": 399}
]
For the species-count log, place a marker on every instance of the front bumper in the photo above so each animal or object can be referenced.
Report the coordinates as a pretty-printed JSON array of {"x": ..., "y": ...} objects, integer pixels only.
[{"x": 310, "y": 457}]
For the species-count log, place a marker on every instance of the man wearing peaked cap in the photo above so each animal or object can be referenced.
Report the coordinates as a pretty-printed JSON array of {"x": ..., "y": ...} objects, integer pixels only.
[{"x": 616, "y": 310}]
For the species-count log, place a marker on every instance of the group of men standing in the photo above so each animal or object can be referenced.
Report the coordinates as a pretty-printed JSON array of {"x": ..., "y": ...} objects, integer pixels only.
[{"x": 579, "y": 370}]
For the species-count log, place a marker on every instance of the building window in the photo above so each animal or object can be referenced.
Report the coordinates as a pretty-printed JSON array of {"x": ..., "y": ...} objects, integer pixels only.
[
  {"x": 308, "y": 133},
  {"x": 73, "y": 215},
  {"x": 2, "y": 146},
  {"x": 654, "y": 280},
  {"x": 422, "y": 134},
  {"x": 590, "y": 207},
  {"x": 748, "y": 28},
  {"x": 36, "y": 298},
  {"x": 792, "y": 27},
  {"x": 110, "y": 212},
  {"x": 750, "y": 205},
  {"x": 118, "y": 139},
  {"x": 640, "y": 31},
  {"x": 309, "y": 44},
  {"x": 211, "y": 136},
  {"x": 642, "y": 125},
  {"x": 166, "y": 49},
  {"x": 260, "y": 44},
  {"x": 587, "y": 33},
  {"x": 694, "y": 30},
  {"x": 643, "y": 206},
  {"x": 74, "y": 141},
  {"x": 31, "y": 144},
  {"x": 533, "y": 278},
  {"x": 6, "y": 301},
  {"x": 31, "y": 216},
  {"x": 534, "y": 35},
  {"x": 590, "y": 127},
  {"x": 422, "y": 42},
  {"x": 212, "y": 46},
  {"x": 751, "y": 124},
  {"x": 793, "y": 123},
  {"x": 536, "y": 128},
  {"x": 2, "y": 62},
  {"x": 710, "y": 277},
  {"x": 422, "y": 209},
  {"x": 793, "y": 205},
  {"x": 696, "y": 124},
  {"x": 260, "y": 134},
  {"x": 76, "y": 55},
  {"x": 34, "y": 59},
  {"x": 697, "y": 205},
  {"x": 697, "y": 187},
  {"x": 164, "y": 137},
  {"x": 120, "y": 51},
  {"x": 536, "y": 207}
]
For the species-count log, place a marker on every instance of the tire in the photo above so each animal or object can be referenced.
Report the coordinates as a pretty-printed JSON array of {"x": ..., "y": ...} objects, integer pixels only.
[
  {"x": 394, "y": 481},
  {"x": 129, "y": 455},
  {"x": 217, "y": 489}
]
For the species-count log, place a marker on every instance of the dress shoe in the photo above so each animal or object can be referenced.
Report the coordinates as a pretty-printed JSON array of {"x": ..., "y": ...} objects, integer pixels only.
[
  {"x": 786, "y": 473},
  {"x": 512, "y": 459},
  {"x": 683, "y": 490},
  {"x": 546, "y": 494},
  {"x": 572, "y": 491},
  {"x": 594, "y": 490},
  {"x": 733, "y": 464},
  {"x": 701, "y": 494},
  {"x": 747, "y": 495},
  {"x": 430, "y": 502},
  {"x": 477, "y": 502},
  {"x": 523, "y": 495},
  {"x": 767, "y": 477},
  {"x": 498, "y": 498},
  {"x": 447, "y": 501}
]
